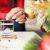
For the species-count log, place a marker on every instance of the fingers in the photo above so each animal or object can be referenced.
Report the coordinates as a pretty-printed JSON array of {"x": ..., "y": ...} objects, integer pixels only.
[
  {"x": 18, "y": 15},
  {"x": 12, "y": 12},
  {"x": 21, "y": 19}
]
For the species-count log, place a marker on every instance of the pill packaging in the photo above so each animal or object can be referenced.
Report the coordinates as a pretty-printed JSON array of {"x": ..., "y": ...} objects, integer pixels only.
[{"x": 19, "y": 43}]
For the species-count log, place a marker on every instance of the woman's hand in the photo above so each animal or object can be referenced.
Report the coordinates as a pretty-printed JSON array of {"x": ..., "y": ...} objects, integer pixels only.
[{"x": 17, "y": 14}]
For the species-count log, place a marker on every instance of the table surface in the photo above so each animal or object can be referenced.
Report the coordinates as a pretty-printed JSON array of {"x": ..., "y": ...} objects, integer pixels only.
[{"x": 17, "y": 44}]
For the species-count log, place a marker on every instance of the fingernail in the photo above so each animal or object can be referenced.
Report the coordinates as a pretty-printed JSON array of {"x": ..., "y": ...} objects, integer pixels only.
[
  {"x": 16, "y": 20},
  {"x": 20, "y": 22},
  {"x": 6, "y": 18},
  {"x": 13, "y": 17}
]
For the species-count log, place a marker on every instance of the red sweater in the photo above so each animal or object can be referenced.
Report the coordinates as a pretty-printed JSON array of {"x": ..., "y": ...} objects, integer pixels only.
[{"x": 6, "y": 5}]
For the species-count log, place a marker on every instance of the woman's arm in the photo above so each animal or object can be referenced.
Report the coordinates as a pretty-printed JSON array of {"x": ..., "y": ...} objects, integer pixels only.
[{"x": 17, "y": 13}]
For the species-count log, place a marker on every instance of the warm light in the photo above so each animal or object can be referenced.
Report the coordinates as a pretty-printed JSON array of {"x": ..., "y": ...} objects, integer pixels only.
[{"x": 28, "y": 10}]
